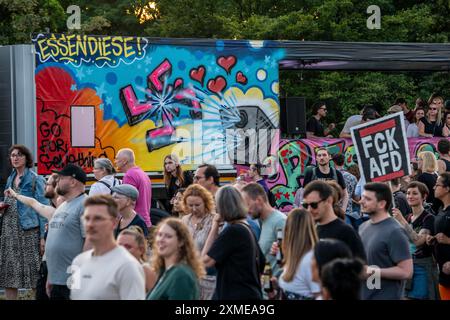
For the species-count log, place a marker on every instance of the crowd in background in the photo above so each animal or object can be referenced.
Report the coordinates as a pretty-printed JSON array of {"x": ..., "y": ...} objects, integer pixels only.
[
  {"x": 209, "y": 241},
  {"x": 429, "y": 118}
]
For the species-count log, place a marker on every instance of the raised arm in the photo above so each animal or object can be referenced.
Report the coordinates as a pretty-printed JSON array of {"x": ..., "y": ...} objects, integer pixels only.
[{"x": 44, "y": 210}]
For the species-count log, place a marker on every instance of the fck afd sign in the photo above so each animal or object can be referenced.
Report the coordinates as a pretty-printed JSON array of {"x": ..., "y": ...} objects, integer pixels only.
[{"x": 382, "y": 148}]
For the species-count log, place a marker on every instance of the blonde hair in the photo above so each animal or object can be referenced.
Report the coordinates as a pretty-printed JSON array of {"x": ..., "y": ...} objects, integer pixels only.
[
  {"x": 429, "y": 161},
  {"x": 179, "y": 171},
  {"x": 439, "y": 111},
  {"x": 138, "y": 234},
  {"x": 187, "y": 253},
  {"x": 196, "y": 190},
  {"x": 300, "y": 237}
]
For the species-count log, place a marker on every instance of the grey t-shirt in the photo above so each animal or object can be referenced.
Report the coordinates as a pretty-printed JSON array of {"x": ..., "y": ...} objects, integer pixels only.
[
  {"x": 269, "y": 228},
  {"x": 386, "y": 244},
  {"x": 65, "y": 239},
  {"x": 351, "y": 122}
]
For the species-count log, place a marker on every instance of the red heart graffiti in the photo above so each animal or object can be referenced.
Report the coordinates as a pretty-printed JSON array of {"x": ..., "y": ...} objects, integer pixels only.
[
  {"x": 227, "y": 63},
  {"x": 217, "y": 85},
  {"x": 198, "y": 74},
  {"x": 241, "y": 78}
]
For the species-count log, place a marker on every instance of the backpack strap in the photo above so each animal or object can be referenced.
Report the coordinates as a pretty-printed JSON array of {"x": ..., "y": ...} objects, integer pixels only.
[
  {"x": 107, "y": 185},
  {"x": 335, "y": 176},
  {"x": 314, "y": 174}
]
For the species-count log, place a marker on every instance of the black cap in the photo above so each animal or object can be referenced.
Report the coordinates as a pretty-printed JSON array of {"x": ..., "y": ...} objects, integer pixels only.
[{"x": 73, "y": 171}]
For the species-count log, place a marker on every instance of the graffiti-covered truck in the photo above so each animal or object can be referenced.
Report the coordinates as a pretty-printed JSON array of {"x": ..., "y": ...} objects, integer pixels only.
[
  {"x": 89, "y": 96},
  {"x": 76, "y": 98}
]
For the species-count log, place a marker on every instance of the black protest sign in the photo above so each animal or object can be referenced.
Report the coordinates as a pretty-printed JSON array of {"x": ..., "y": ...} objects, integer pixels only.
[{"x": 382, "y": 148}]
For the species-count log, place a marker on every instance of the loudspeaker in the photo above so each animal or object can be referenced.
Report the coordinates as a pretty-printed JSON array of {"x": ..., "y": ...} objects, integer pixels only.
[{"x": 293, "y": 115}]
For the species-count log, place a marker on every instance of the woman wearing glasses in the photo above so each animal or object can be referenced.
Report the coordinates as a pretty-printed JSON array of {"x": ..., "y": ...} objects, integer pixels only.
[
  {"x": 431, "y": 125},
  {"x": 22, "y": 228},
  {"x": 104, "y": 172}
]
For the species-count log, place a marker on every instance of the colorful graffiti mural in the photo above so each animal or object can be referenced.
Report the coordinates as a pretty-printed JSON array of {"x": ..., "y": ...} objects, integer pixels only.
[
  {"x": 96, "y": 95},
  {"x": 295, "y": 155}
]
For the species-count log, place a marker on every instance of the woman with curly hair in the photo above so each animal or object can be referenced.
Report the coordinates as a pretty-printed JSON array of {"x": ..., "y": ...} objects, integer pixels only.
[
  {"x": 199, "y": 206},
  {"x": 176, "y": 262}
]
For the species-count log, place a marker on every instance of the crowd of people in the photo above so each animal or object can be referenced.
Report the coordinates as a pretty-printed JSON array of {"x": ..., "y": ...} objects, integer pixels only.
[
  {"x": 426, "y": 119},
  {"x": 344, "y": 239}
]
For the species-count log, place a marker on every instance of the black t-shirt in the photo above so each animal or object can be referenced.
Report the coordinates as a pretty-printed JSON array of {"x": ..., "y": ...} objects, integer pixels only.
[
  {"x": 431, "y": 127},
  {"x": 429, "y": 179},
  {"x": 313, "y": 125},
  {"x": 137, "y": 221},
  {"x": 173, "y": 188},
  {"x": 401, "y": 203},
  {"x": 321, "y": 176},
  {"x": 442, "y": 251},
  {"x": 338, "y": 229},
  {"x": 424, "y": 221},
  {"x": 235, "y": 254}
]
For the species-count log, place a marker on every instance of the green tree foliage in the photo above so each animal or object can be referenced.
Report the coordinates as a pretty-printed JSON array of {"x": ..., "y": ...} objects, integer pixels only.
[
  {"x": 20, "y": 18},
  {"x": 309, "y": 20}
]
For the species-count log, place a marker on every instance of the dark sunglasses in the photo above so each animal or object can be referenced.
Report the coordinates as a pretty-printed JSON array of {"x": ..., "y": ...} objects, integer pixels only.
[{"x": 313, "y": 205}]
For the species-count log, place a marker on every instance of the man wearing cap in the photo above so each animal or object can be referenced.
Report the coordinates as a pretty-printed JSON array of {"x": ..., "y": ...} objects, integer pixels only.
[
  {"x": 65, "y": 239},
  {"x": 134, "y": 175},
  {"x": 125, "y": 195}
]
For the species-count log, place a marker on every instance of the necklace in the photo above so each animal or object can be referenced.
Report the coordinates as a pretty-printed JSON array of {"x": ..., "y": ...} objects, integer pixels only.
[{"x": 199, "y": 225}]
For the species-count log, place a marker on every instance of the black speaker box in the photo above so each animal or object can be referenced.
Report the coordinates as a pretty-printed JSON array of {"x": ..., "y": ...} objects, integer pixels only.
[{"x": 293, "y": 115}]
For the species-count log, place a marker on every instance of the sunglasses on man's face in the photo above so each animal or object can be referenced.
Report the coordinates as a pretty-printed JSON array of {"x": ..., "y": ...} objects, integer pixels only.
[{"x": 313, "y": 205}]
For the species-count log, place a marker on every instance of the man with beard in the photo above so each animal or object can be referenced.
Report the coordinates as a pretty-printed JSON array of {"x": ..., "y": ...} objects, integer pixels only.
[
  {"x": 325, "y": 172},
  {"x": 65, "y": 238},
  {"x": 386, "y": 245},
  {"x": 318, "y": 200},
  {"x": 271, "y": 220}
]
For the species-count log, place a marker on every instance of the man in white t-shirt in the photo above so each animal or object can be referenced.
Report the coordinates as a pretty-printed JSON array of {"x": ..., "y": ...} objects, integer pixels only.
[{"x": 108, "y": 271}]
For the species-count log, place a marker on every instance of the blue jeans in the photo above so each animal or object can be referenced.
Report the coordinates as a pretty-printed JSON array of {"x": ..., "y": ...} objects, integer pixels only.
[{"x": 419, "y": 284}]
